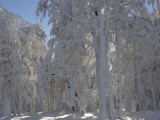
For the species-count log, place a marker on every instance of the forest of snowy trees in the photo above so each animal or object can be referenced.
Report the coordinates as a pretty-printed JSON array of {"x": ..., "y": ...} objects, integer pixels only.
[
  {"x": 104, "y": 56},
  {"x": 22, "y": 51}
]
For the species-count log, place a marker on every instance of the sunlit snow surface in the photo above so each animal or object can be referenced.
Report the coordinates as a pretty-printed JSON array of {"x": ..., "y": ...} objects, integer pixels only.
[{"x": 148, "y": 115}]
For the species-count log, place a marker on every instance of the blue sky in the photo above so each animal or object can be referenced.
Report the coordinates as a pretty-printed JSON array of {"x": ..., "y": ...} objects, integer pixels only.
[{"x": 26, "y": 9}]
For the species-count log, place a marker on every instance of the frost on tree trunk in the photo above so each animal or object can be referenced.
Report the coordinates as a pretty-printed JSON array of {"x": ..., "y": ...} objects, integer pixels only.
[
  {"x": 119, "y": 78},
  {"x": 101, "y": 78},
  {"x": 101, "y": 65}
]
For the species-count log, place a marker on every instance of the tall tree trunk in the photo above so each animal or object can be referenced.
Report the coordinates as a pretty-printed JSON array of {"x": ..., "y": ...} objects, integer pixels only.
[
  {"x": 119, "y": 79},
  {"x": 153, "y": 91},
  {"x": 101, "y": 70},
  {"x": 101, "y": 83},
  {"x": 154, "y": 99},
  {"x": 20, "y": 104},
  {"x": 110, "y": 97}
]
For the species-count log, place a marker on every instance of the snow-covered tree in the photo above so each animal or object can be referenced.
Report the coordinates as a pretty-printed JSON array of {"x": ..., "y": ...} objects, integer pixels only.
[{"x": 22, "y": 48}]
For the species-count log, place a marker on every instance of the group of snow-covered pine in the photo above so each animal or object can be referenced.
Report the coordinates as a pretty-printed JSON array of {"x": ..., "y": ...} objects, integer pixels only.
[{"x": 104, "y": 56}]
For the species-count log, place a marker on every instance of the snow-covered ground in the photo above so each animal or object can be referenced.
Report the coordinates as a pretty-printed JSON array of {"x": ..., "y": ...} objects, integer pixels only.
[
  {"x": 149, "y": 115},
  {"x": 53, "y": 116},
  {"x": 146, "y": 115}
]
